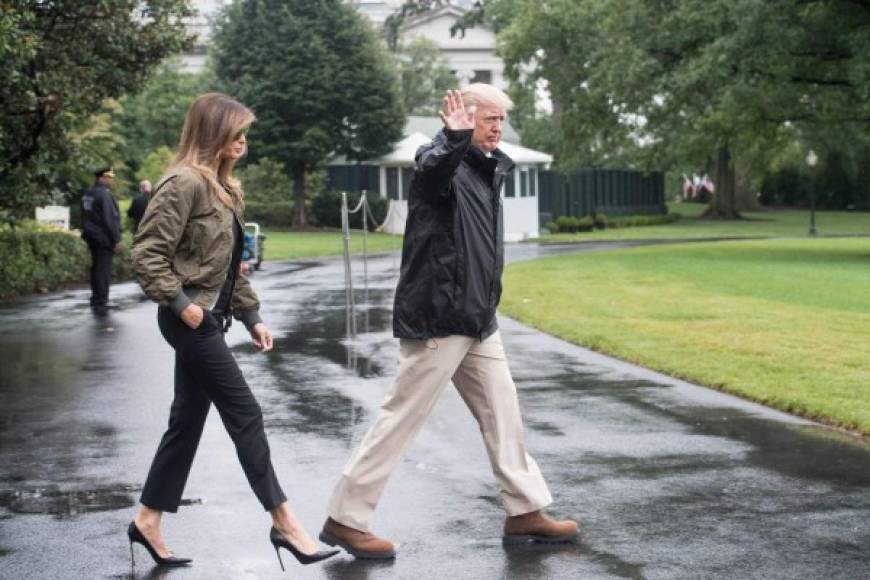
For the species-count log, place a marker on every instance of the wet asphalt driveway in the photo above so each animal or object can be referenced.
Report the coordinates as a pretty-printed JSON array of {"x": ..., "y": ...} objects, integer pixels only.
[{"x": 669, "y": 480}]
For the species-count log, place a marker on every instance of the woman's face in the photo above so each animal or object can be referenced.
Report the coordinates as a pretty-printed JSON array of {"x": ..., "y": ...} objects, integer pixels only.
[{"x": 237, "y": 147}]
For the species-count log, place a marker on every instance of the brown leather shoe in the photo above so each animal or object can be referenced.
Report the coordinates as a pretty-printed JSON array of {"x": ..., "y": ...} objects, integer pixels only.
[
  {"x": 538, "y": 527},
  {"x": 363, "y": 545}
]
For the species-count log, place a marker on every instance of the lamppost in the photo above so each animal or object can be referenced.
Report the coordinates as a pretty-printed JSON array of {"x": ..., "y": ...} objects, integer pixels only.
[{"x": 812, "y": 160}]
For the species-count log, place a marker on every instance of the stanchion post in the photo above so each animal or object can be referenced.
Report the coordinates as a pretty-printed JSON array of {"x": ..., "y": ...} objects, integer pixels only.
[
  {"x": 350, "y": 316},
  {"x": 365, "y": 220}
]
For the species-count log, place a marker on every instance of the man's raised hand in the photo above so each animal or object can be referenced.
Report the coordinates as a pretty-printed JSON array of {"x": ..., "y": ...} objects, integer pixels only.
[{"x": 454, "y": 114}]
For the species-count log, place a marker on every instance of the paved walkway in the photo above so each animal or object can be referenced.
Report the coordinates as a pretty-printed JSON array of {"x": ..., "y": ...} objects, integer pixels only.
[{"x": 670, "y": 480}]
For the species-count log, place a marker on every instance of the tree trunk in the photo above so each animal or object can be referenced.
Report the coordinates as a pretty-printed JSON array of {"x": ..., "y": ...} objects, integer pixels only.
[
  {"x": 299, "y": 219},
  {"x": 723, "y": 203}
]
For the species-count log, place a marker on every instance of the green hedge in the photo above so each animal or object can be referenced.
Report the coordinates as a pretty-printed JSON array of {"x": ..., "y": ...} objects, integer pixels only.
[
  {"x": 277, "y": 214},
  {"x": 571, "y": 224},
  {"x": 40, "y": 261}
]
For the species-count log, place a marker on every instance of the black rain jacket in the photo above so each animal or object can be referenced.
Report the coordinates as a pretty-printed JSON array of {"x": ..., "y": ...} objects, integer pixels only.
[
  {"x": 101, "y": 220},
  {"x": 453, "y": 251}
]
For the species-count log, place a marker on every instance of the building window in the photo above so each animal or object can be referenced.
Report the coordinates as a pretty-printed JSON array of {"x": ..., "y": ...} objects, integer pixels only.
[
  {"x": 533, "y": 181},
  {"x": 482, "y": 76},
  {"x": 524, "y": 183},
  {"x": 509, "y": 187},
  {"x": 392, "y": 183}
]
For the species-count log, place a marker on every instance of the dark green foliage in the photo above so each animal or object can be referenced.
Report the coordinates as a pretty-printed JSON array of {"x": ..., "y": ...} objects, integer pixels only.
[
  {"x": 839, "y": 182},
  {"x": 266, "y": 182},
  {"x": 425, "y": 75},
  {"x": 571, "y": 224},
  {"x": 153, "y": 117},
  {"x": 39, "y": 261},
  {"x": 60, "y": 61},
  {"x": 273, "y": 214},
  {"x": 585, "y": 224},
  {"x": 567, "y": 224},
  {"x": 318, "y": 79}
]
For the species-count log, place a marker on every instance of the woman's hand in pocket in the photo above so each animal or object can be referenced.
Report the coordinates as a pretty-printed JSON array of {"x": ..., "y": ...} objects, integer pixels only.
[{"x": 192, "y": 316}]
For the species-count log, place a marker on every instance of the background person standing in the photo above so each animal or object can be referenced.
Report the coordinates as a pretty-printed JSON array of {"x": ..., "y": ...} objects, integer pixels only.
[
  {"x": 138, "y": 205},
  {"x": 101, "y": 230}
]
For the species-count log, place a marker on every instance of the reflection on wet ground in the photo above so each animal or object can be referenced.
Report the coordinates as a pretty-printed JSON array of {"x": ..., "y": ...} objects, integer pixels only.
[
  {"x": 670, "y": 481},
  {"x": 53, "y": 501}
]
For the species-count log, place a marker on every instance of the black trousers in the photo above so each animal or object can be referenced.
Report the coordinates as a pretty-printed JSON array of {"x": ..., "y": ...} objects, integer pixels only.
[
  {"x": 205, "y": 373},
  {"x": 101, "y": 274}
]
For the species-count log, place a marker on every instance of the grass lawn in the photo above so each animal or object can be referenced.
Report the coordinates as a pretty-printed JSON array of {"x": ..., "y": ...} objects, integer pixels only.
[
  {"x": 772, "y": 223},
  {"x": 287, "y": 245},
  {"x": 782, "y": 322}
]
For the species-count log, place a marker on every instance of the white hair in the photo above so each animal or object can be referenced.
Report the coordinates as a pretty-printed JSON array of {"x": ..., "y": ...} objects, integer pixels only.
[
  {"x": 484, "y": 94},
  {"x": 144, "y": 186}
]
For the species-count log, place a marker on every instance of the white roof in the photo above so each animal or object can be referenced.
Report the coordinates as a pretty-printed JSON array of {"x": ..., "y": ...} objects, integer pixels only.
[{"x": 404, "y": 151}]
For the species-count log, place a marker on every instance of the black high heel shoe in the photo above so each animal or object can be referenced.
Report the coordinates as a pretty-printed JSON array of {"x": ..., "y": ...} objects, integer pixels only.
[
  {"x": 136, "y": 536},
  {"x": 279, "y": 541}
]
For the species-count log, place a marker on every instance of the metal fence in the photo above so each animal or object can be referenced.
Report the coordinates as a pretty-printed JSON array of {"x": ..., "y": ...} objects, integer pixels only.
[{"x": 608, "y": 191}]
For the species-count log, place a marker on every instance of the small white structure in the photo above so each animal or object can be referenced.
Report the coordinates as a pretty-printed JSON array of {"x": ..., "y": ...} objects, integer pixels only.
[
  {"x": 54, "y": 215},
  {"x": 519, "y": 194}
]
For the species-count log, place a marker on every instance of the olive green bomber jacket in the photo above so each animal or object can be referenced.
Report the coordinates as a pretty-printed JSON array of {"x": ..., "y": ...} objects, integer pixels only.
[{"x": 183, "y": 248}]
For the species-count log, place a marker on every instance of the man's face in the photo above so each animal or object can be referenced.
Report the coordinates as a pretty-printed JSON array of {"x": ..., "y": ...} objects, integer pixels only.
[
  {"x": 488, "y": 120},
  {"x": 106, "y": 180}
]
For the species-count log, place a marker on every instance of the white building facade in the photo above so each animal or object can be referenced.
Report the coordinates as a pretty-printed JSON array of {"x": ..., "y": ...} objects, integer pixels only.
[
  {"x": 392, "y": 176},
  {"x": 471, "y": 57}
]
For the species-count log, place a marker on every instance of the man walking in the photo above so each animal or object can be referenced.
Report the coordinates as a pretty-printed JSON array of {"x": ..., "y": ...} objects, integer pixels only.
[
  {"x": 139, "y": 203},
  {"x": 101, "y": 229},
  {"x": 445, "y": 316}
]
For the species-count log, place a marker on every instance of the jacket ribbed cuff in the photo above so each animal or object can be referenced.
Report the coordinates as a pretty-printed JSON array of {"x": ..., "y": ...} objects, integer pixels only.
[
  {"x": 179, "y": 303},
  {"x": 458, "y": 134},
  {"x": 249, "y": 318}
]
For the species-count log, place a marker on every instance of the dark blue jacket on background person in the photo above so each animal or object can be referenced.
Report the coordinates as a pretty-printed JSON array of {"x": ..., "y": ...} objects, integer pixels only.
[
  {"x": 101, "y": 219},
  {"x": 453, "y": 250}
]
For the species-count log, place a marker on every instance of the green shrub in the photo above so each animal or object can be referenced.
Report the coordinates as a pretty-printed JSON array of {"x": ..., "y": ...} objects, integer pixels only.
[
  {"x": 567, "y": 224},
  {"x": 278, "y": 214},
  {"x": 266, "y": 182},
  {"x": 40, "y": 261},
  {"x": 39, "y": 258},
  {"x": 585, "y": 224},
  {"x": 552, "y": 227},
  {"x": 600, "y": 221}
]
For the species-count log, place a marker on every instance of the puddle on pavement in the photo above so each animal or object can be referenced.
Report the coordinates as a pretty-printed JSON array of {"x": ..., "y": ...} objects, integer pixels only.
[{"x": 67, "y": 503}]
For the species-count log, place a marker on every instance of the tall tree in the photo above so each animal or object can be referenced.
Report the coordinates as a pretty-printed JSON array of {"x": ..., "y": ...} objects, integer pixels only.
[
  {"x": 153, "y": 117},
  {"x": 424, "y": 74},
  {"x": 318, "y": 79},
  {"x": 687, "y": 81},
  {"x": 59, "y": 61}
]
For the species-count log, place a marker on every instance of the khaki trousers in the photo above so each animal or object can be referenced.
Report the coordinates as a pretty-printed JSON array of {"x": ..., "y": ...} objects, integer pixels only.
[{"x": 481, "y": 375}]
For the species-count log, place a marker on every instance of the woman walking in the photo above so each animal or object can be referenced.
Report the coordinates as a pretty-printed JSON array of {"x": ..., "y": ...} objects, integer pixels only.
[{"x": 187, "y": 254}]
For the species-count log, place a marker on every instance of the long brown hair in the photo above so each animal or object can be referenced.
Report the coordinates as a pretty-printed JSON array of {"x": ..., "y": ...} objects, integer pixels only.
[{"x": 213, "y": 121}]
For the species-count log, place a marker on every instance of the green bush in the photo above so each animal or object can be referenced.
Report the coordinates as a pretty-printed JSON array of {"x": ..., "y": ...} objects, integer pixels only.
[
  {"x": 266, "y": 182},
  {"x": 642, "y": 220},
  {"x": 278, "y": 214},
  {"x": 552, "y": 227},
  {"x": 326, "y": 209},
  {"x": 567, "y": 224},
  {"x": 40, "y": 258},
  {"x": 600, "y": 221},
  {"x": 585, "y": 224}
]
